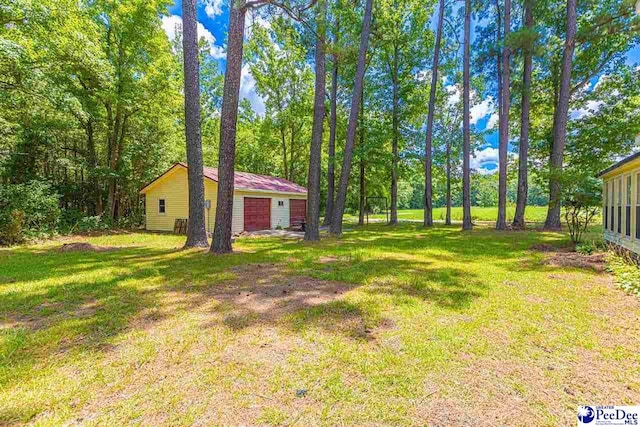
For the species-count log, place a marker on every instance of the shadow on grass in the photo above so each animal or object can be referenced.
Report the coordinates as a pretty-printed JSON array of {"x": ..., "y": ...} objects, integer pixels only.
[{"x": 51, "y": 302}]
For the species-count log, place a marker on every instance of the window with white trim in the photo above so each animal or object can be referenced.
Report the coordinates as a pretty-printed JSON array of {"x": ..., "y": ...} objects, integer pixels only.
[
  {"x": 627, "y": 207},
  {"x": 605, "y": 216},
  {"x": 619, "y": 218},
  {"x": 638, "y": 206}
]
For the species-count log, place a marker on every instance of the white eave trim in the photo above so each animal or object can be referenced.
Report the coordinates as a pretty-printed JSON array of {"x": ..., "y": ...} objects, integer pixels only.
[{"x": 286, "y": 193}]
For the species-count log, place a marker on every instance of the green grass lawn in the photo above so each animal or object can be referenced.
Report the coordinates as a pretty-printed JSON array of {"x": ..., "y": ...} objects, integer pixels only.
[
  {"x": 385, "y": 326},
  {"x": 533, "y": 214}
]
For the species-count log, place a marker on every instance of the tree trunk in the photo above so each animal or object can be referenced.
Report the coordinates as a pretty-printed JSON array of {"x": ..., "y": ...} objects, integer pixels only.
[
  {"x": 196, "y": 231},
  {"x": 118, "y": 166},
  {"x": 112, "y": 153},
  {"x": 284, "y": 151},
  {"x": 363, "y": 178},
  {"x": 341, "y": 197},
  {"x": 92, "y": 165},
  {"x": 447, "y": 219},
  {"x": 312, "y": 227},
  {"x": 560, "y": 122},
  {"x": 291, "y": 151},
  {"x": 499, "y": 58},
  {"x": 332, "y": 133},
  {"x": 428, "y": 184},
  {"x": 466, "y": 130},
  {"x": 523, "y": 151},
  {"x": 393, "y": 220},
  {"x": 363, "y": 192},
  {"x": 501, "y": 223},
  {"x": 331, "y": 179},
  {"x": 228, "y": 121}
]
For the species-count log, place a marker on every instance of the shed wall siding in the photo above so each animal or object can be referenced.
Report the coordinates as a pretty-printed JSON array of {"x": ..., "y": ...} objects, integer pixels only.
[
  {"x": 237, "y": 222},
  {"x": 279, "y": 214},
  {"x": 173, "y": 188},
  {"x": 210, "y": 193}
]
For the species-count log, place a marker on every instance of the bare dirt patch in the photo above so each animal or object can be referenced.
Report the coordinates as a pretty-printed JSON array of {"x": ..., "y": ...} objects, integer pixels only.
[
  {"x": 264, "y": 290},
  {"x": 327, "y": 259},
  {"x": 284, "y": 234},
  {"x": 566, "y": 256},
  {"x": 85, "y": 247},
  {"x": 595, "y": 262},
  {"x": 546, "y": 247}
]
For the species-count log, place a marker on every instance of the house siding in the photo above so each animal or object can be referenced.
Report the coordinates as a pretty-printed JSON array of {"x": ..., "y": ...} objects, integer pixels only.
[
  {"x": 173, "y": 187},
  {"x": 621, "y": 201}
]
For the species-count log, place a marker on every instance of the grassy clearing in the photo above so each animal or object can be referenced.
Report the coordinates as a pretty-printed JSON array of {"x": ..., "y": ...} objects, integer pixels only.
[
  {"x": 533, "y": 214},
  {"x": 384, "y": 326}
]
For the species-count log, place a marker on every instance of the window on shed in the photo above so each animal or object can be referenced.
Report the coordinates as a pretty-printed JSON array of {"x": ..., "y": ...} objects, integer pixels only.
[
  {"x": 162, "y": 206},
  {"x": 280, "y": 202}
]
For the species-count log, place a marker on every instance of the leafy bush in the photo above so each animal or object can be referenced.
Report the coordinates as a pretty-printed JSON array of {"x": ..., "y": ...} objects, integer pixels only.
[
  {"x": 588, "y": 248},
  {"x": 12, "y": 234},
  {"x": 582, "y": 200},
  {"x": 91, "y": 223},
  {"x": 74, "y": 221},
  {"x": 27, "y": 210},
  {"x": 69, "y": 219},
  {"x": 626, "y": 273}
]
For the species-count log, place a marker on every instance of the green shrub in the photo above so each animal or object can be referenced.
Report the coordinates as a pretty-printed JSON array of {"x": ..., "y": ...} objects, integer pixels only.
[
  {"x": 581, "y": 201},
  {"x": 76, "y": 222},
  {"x": 69, "y": 219},
  {"x": 12, "y": 233},
  {"x": 586, "y": 248},
  {"x": 27, "y": 211},
  {"x": 626, "y": 273}
]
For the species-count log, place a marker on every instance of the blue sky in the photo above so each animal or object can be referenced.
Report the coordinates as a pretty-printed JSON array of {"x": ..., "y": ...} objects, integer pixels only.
[{"x": 213, "y": 18}]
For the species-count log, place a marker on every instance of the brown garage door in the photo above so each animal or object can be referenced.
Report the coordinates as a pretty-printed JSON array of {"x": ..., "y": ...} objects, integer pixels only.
[
  {"x": 297, "y": 212},
  {"x": 257, "y": 213}
]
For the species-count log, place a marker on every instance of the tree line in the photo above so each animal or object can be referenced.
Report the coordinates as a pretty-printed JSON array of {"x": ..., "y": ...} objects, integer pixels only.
[{"x": 360, "y": 99}]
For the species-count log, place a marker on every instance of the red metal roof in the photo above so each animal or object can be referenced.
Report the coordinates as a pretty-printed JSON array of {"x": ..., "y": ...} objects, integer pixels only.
[{"x": 252, "y": 181}]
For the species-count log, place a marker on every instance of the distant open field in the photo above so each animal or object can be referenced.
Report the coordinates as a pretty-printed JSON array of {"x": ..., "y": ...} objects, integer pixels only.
[{"x": 532, "y": 214}]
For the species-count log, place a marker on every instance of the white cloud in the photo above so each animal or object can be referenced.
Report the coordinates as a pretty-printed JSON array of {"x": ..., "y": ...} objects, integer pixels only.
[
  {"x": 603, "y": 78},
  {"x": 481, "y": 159},
  {"x": 493, "y": 121},
  {"x": 213, "y": 8},
  {"x": 454, "y": 95},
  {"x": 482, "y": 110},
  {"x": 248, "y": 90},
  {"x": 423, "y": 76},
  {"x": 254, "y": 19},
  {"x": 589, "y": 109},
  {"x": 478, "y": 111},
  {"x": 173, "y": 23}
]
